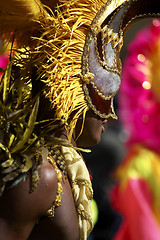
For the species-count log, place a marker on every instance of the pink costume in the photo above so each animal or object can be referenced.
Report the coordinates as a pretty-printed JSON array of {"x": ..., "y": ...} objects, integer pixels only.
[{"x": 137, "y": 195}]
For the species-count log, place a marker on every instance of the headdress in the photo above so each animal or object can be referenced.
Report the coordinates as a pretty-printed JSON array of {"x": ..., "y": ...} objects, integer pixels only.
[{"x": 75, "y": 46}]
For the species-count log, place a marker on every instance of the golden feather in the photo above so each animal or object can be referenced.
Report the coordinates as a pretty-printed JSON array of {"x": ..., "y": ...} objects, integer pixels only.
[
  {"x": 22, "y": 18},
  {"x": 29, "y": 128}
]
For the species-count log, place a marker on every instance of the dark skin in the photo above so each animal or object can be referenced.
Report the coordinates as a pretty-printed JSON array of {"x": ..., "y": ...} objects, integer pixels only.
[{"x": 22, "y": 214}]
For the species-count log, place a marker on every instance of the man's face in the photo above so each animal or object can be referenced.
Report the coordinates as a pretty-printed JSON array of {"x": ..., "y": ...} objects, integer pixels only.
[{"x": 93, "y": 128}]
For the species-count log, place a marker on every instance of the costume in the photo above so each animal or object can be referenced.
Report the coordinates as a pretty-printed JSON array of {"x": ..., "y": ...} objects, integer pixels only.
[
  {"x": 67, "y": 55},
  {"x": 138, "y": 188},
  {"x": 3, "y": 58}
]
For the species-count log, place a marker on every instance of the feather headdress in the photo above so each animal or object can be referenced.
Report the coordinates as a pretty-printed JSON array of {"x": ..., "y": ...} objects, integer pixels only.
[
  {"x": 75, "y": 49},
  {"x": 56, "y": 41}
]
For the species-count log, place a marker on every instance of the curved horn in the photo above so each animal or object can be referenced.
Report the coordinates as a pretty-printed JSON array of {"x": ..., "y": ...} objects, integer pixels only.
[{"x": 101, "y": 65}]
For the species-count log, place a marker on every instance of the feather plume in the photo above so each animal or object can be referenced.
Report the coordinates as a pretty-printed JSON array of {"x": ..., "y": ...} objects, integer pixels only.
[
  {"x": 21, "y": 17},
  {"x": 59, "y": 54}
]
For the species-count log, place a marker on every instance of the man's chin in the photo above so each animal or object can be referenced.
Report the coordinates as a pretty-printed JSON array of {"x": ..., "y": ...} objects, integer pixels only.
[{"x": 90, "y": 143}]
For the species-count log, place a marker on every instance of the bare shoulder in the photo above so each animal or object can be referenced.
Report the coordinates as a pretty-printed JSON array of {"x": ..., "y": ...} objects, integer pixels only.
[
  {"x": 64, "y": 224},
  {"x": 20, "y": 209},
  {"x": 23, "y": 214},
  {"x": 43, "y": 196},
  {"x": 47, "y": 187}
]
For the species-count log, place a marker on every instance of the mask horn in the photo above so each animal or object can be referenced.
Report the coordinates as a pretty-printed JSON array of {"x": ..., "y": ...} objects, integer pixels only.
[{"x": 101, "y": 65}]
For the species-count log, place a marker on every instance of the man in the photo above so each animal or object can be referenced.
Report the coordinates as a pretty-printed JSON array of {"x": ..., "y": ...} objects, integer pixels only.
[{"x": 56, "y": 95}]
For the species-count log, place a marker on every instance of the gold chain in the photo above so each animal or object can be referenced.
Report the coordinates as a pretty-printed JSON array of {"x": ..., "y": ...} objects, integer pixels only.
[{"x": 57, "y": 201}]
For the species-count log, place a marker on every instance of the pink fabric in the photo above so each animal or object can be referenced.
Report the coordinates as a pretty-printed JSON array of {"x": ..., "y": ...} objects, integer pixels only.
[
  {"x": 139, "y": 109},
  {"x": 3, "y": 61},
  {"x": 135, "y": 203}
]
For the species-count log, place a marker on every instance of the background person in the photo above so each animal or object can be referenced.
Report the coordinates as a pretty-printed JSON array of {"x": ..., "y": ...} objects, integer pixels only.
[{"x": 136, "y": 197}]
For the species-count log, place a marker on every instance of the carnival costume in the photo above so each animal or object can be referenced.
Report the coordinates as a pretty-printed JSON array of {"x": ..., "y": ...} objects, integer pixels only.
[
  {"x": 138, "y": 190},
  {"x": 69, "y": 55}
]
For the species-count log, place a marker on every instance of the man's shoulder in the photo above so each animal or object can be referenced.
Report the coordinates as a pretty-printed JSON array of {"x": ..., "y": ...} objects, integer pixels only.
[
  {"x": 20, "y": 209},
  {"x": 40, "y": 199}
]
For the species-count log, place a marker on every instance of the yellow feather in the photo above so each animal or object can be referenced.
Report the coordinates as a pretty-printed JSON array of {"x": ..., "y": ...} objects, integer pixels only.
[
  {"x": 7, "y": 163},
  {"x": 58, "y": 51},
  {"x": 29, "y": 129},
  {"x": 21, "y": 17}
]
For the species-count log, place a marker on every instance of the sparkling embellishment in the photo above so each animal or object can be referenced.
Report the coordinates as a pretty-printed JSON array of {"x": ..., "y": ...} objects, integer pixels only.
[{"x": 146, "y": 85}]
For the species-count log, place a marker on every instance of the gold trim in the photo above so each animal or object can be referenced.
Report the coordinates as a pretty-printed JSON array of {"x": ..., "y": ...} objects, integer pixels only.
[
  {"x": 57, "y": 201},
  {"x": 93, "y": 107},
  {"x": 101, "y": 94},
  {"x": 103, "y": 63},
  {"x": 116, "y": 43},
  {"x": 105, "y": 11},
  {"x": 139, "y": 17}
]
